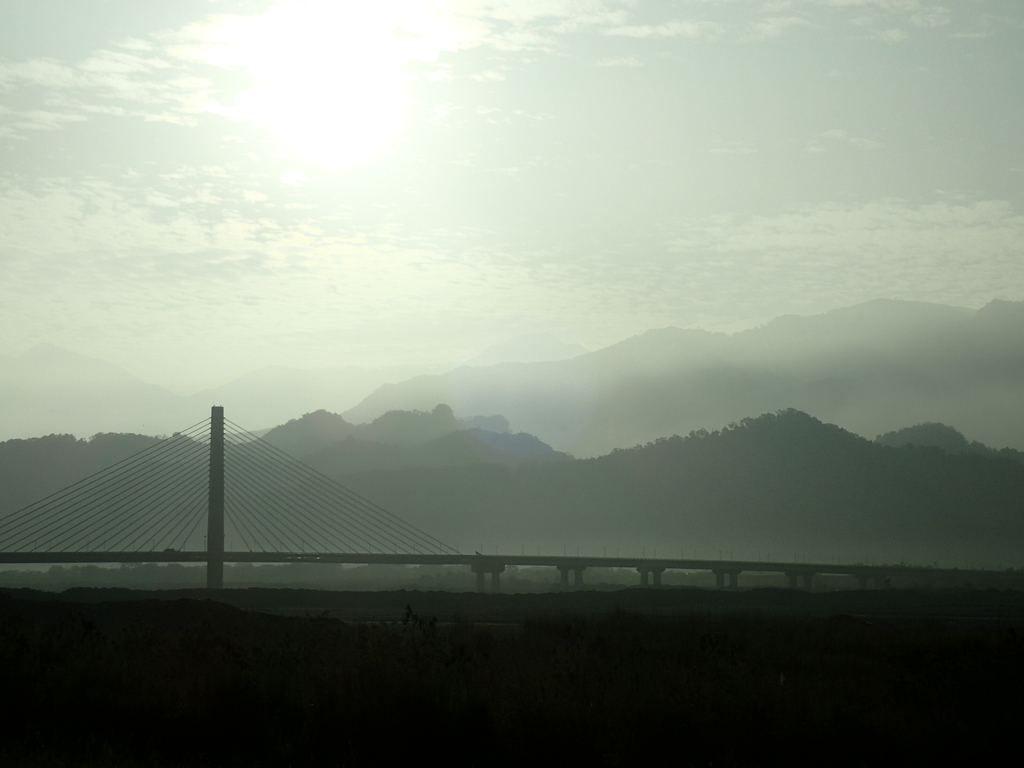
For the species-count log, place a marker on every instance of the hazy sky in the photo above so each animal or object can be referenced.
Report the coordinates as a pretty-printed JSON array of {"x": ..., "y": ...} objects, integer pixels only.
[{"x": 194, "y": 189}]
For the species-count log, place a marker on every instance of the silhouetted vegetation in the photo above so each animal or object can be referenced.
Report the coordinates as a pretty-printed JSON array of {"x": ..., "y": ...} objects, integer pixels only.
[
  {"x": 34, "y": 468},
  {"x": 784, "y": 486},
  {"x": 780, "y": 486},
  {"x": 197, "y": 683},
  {"x": 946, "y": 439}
]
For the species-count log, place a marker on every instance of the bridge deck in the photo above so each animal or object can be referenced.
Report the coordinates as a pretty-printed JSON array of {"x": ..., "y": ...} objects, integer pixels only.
[{"x": 482, "y": 562}]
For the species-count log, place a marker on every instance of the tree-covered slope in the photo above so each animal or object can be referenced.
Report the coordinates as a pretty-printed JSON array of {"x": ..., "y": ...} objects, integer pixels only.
[{"x": 781, "y": 485}]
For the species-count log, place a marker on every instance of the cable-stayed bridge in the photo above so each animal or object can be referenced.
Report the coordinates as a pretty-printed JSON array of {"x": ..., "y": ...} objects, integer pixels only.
[
  {"x": 216, "y": 493},
  {"x": 212, "y": 484}
]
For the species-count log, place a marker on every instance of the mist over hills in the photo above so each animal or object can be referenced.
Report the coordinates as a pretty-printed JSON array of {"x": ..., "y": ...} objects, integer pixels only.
[
  {"x": 34, "y": 468},
  {"x": 867, "y": 368},
  {"x": 31, "y": 469},
  {"x": 48, "y": 390},
  {"x": 947, "y": 439},
  {"x": 870, "y": 368},
  {"x": 533, "y": 348},
  {"x": 399, "y": 439}
]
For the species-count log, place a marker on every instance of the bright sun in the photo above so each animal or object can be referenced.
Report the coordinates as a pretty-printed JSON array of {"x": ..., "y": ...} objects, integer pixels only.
[{"x": 330, "y": 77}]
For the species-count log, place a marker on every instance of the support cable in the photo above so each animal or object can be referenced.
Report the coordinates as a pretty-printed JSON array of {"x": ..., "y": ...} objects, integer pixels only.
[
  {"x": 361, "y": 505},
  {"x": 320, "y": 485},
  {"x": 268, "y": 522},
  {"x": 297, "y": 499},
  {"x": 258, "y": 481},
  {"x": 86, "y": 491},
  {"x": 27, "y": 513},
  {"x": 135, "y": 505}
]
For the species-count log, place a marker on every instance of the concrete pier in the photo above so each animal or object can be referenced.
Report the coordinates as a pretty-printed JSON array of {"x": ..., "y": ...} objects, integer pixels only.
[
  {"x": 563, "y": 576},
  {"x": 649, "y": 573},
  {"x": 806, "y": 575},
  {"x": 720, "y": 575},
  {"x": 481, "y": 569}
]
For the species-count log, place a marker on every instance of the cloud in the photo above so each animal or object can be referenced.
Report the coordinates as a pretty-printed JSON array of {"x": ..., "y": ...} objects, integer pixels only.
[
  {"x": 949, "y": 252},
  {"x": 839, "y": 136},
  {"x": 687, "y": 29},
  {"x": 734, "y": 148},
  {"x": 45, "y": 72},
  {"x": 889, "y": 6},
  {"x": 931, "y": 17},
  {"x": 939, "y": 227},
  {"x": 775, "y": 26},
  {"x": 14, "y": 123},
  {"x": 619, "y": 61},
  {"x": 889, "y": 35},
  {"x": 113, "y": 83}
]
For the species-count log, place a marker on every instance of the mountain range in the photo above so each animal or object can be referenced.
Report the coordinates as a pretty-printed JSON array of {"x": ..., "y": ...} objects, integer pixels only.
[
  {"x": 782, "y": 486},
  {"x": 870, "y": 368},
  {"x": 401, "y": 439}
]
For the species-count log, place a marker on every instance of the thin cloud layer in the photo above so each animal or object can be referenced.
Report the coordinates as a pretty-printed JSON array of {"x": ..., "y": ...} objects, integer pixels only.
[{"x": 282, "y": 178}]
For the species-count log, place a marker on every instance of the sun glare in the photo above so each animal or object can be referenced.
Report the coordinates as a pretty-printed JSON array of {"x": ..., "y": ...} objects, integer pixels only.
[{"x": 330, "y": 77}]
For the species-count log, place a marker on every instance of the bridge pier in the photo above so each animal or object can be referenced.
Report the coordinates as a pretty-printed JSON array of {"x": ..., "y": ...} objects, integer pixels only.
[
  {"x": 807, "y": 576},
  {"x": 721, "y": 573},
  {"x": 649, "y": 573},
  {"x": 577, "y": 578},
  {"x": 563, "y": 576},
  {"x": 482, "y": 569}
]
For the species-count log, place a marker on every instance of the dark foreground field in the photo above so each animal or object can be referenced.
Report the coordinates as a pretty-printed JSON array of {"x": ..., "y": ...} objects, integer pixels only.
[{"x": 112, "y": 678}]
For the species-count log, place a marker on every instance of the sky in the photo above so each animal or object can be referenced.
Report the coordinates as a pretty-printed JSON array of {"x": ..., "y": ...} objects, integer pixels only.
[{"x": 193, "y": 190}]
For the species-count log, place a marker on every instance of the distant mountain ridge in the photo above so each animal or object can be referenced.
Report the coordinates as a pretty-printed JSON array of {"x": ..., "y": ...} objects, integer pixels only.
[
  {"x": 533, "y": 348},
  {"x": 398, "y": 439},
  {"x": 945, "y": 438},
  {"x": 31, "y": 469},
  {"x": 867, "y": 368},
  {"x": 51, "y": 390},
  {"x": 48, "y": 390}
]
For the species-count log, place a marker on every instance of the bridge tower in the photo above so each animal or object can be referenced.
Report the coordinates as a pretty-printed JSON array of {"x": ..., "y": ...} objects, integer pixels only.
[{"x": 215, "y": 508}]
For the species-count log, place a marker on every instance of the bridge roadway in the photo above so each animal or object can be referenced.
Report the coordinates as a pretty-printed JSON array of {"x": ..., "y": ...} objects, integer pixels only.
[{"x": 650, "y": 569}]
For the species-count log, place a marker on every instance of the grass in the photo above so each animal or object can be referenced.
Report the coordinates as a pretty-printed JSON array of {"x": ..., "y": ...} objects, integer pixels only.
[{"x": 197, "y": 683}]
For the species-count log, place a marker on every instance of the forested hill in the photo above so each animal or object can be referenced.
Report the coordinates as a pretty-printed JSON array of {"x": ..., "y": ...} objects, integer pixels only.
[
  {"x": 784, "y": 486},
  {"x": 400, "y": 439},
  {"x": 781, "y": 485},
  {"x": 34, "y": 468},
  {"x": 945, "y": 438}
]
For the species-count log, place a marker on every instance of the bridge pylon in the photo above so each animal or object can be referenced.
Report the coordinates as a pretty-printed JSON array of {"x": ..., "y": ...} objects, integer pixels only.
[{"x": 215, "y": 508}]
